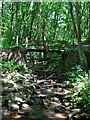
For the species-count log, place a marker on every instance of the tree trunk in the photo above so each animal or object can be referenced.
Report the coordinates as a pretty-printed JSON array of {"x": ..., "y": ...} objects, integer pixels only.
[
  {"x": 1, "y": 21},
  {"x": 11, "y": 23},
  {"x": 77, "y": 30},
  {"x": 88, "y": 33},
  {"x": 83, "y": 59},
  {"x": 35, "y": 7}
]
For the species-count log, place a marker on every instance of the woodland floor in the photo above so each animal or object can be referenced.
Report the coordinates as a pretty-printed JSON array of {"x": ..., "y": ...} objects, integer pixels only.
[{"x": 37, "y": 97}]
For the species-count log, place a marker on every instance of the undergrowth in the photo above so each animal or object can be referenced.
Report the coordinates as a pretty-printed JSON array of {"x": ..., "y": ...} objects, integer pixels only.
[
  {"x": 10, "y": 66},
  {"x": 80, "y": 89}
]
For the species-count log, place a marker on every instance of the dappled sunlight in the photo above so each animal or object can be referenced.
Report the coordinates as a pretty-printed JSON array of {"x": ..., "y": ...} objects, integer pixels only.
[{"x": 45, "y": 60}]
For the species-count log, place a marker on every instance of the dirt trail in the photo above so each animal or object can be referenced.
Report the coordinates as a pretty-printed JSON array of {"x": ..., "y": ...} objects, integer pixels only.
[{"x": 43, "y": 99}]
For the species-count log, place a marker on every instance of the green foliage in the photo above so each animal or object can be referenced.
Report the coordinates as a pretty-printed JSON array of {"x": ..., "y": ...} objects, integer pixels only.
[
  {"x": 84, "y": 99},
  {"x": 21, "y": 68},
  {"x": 81, "y": 89},
  {"x": 74, "y": 74},
  {"x": 18, "y": 79},
  {"x": 9, "y": 66},
  {"x": 35, "y": 20}
]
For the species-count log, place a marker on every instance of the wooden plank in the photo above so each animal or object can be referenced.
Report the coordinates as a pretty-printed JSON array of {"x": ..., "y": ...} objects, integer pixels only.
[{"x": 43, "y": 50}]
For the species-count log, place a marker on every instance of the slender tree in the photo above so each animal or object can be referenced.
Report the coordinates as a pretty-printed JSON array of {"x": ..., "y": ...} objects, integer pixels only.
[{"x": 77, "y": 30}]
